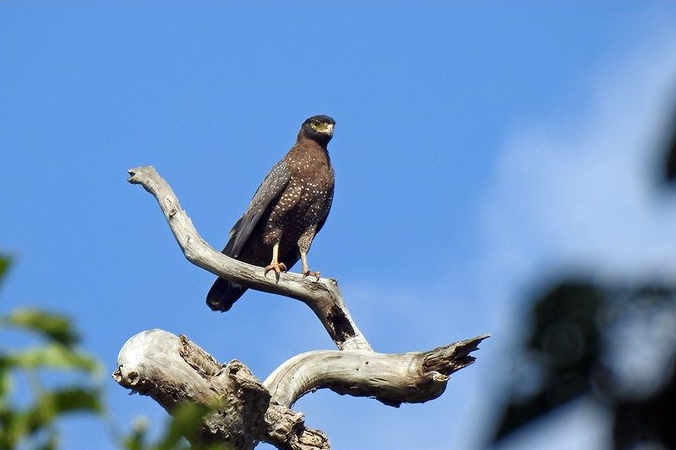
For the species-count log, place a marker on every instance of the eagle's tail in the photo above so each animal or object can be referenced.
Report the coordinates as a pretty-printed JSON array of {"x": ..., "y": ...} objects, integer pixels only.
[{"x": 223, "y": 294}]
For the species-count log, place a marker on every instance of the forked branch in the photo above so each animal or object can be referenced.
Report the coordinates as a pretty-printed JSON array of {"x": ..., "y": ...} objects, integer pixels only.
[
  {"x": 322, "y": 296},
  {"x": 174, "y": 371}
]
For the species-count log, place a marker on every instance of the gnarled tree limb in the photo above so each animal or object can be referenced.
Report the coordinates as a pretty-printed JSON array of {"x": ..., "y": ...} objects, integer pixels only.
[
  {"x": 174, "y": 371},
  {"x": 393, "y": 379},
  {"x": 322, "y": 296},
  {"x": 243, "y": 411}
]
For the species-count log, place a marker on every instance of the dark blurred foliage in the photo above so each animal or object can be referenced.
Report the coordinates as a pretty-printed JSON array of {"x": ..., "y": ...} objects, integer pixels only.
[
  {"x": 613, "y": 343},
  {"x": 670, "y": 159},
  {"x": 582, "y": 336}
]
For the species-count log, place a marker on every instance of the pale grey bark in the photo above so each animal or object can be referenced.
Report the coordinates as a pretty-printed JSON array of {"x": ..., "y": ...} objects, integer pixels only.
[
  {"x": 393, "y": 378},
  {"x": 174, "y": 371},
  {"x": 322, "y": 296}
]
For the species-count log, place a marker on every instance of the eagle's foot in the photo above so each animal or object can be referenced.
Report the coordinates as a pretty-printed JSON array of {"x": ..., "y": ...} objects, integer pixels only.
[
  {"x": 277, "y": 267},
  {"x": 307, "y": 273}
]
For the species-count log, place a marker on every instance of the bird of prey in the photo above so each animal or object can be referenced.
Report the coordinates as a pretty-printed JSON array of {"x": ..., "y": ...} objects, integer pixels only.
[{"x": 286, "y": 212}]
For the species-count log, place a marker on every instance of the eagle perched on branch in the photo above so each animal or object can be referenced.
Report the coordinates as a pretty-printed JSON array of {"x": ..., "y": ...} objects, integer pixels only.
[{"x": 286, "y": 212}]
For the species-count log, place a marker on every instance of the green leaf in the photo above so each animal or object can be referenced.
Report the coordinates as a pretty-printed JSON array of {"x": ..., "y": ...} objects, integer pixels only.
[
  {"x": 54, "y": 326},
  {"x": 5, "y": 262},
  {"x": 71, "y": 399},
  {"x": 138, "y": 438},
  {"x": 5, "y": 378},
  {"x": 48, "y": 407},
  {"x": 55, "y": 356},
  {"x": 186, "y": 421},
  {"x": 9, "y": 436}
]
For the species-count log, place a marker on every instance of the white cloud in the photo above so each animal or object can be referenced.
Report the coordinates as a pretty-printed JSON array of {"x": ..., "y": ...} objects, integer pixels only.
[{"x": 581, "y": 192}]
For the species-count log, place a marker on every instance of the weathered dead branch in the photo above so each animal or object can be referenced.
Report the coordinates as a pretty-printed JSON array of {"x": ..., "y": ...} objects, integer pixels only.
[
  {"x": 174, "y": 371},
  {"x": 393, "y": 379},
  {"x": 322, "y": 296}
]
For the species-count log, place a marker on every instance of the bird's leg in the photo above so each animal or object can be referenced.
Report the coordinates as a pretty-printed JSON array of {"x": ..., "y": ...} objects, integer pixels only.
[
  {"x": 275, "y": 264},
  {"x": 306, "y": 268}
]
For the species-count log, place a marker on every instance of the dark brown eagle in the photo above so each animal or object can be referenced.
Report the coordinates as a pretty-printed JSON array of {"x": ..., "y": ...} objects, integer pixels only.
[{"x": 286, "y": 212}]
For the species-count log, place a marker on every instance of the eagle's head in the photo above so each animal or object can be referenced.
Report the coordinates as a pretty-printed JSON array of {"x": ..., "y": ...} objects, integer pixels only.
[{"x": 318, "y": 128}]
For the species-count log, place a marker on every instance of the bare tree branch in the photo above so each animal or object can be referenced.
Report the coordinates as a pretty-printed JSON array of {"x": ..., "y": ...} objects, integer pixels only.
[
  {"x": 174, "y": 371},
  {"x": 322, "y": 296},
  {"x": 393, "y": 379}
]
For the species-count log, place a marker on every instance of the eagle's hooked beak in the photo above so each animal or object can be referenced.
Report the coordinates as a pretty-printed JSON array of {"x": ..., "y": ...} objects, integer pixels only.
[{"x": 327, "y": 128}]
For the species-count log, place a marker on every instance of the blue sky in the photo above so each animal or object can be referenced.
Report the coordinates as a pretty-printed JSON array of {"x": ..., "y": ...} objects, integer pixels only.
[{"x": 479, "y": 147}]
